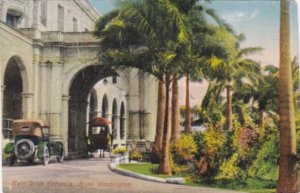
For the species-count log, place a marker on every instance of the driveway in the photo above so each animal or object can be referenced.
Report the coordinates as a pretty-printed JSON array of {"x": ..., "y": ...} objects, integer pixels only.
[{"x": 83, "y": 176}]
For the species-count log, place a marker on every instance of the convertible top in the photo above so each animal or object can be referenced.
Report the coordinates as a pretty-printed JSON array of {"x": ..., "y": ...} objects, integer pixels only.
[{"x": 28, "y": 127}]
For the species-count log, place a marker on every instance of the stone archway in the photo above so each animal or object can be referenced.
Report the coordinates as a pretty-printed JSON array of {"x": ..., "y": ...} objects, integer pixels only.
[
  {"x": 15, "y": 85},
  {"x": 79, "y": 91}
]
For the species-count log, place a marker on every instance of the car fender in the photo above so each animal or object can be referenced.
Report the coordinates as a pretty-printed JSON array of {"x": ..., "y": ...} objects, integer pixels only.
[
  {"x": 41, "y": 148},
  {"x": 8, "y": 150}
]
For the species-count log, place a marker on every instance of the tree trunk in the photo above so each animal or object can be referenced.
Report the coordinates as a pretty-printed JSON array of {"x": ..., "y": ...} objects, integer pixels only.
[
  {"x": 161, "y": 104},
  {"x": 165, "y": 162},
  {"x": 287, "y": 181},
  {"x": 228, "y": 107},
  {"x": 175, "y": 110},
  {"x": 188, "y": 127},
  {"x": 261, "y": 119}
]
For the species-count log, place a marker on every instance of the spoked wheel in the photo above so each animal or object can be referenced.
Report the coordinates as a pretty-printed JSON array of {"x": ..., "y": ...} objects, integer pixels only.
[
  {"x": 61, "y": 155},
  {"x": 46, "y": 156}
]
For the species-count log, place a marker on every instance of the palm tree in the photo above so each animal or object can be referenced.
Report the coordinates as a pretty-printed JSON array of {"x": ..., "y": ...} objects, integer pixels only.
[
  {"x": 259, "y": 89},
  {"x": 231, "y": 66},
  {"x": 175, "y": 120},
  {"x": 287, "y": 180},
  {"x": 156, "y": 25}
]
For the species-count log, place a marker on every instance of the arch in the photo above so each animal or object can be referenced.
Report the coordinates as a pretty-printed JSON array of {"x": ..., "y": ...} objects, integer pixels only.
[
  {"x": 79, "y": 68},
  {"x": 15, "y": 84},
  {"x": 22, "y": 68},
  {"x": 80, "y": 90},
  {"x": 122, "y": 121},
  {"x": 105, "y": 107},
  {"x": 114, "y": 125}
]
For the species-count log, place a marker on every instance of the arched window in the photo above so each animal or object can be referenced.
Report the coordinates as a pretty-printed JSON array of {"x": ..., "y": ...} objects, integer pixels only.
[
  {"x": 122, "y": 121},
  {"x": 113, "y": 119},
  {"x": 104, "y": 106}
]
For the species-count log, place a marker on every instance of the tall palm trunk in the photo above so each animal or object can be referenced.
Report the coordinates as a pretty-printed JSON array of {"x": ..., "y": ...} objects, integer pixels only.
[
  {"x": 175, "y": 110},
  {"x": 188, "y": 127},
  {"x": 161, "y": 104},
  {"x": 287, "y": 181},
  {"x": 228, "y": 107},
  {"x": 165, "y": 162}
]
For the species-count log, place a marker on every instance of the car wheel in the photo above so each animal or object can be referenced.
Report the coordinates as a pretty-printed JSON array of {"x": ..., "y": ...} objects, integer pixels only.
[
  {"x": 61, "y": 155},
  {"x": 24, "y": 149},
  {"x": 46, "y": 157}
]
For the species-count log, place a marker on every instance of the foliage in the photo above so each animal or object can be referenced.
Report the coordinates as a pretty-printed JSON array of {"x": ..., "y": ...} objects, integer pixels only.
[
  {"x": 135, "y": 155},
  {"x": 229, "y": 168},
  {"x": 213, "y": 139},
  {"x": 119, "y": 150},
  {"x": 184, "y": 149},
  {"x": 266, "y": 164}
]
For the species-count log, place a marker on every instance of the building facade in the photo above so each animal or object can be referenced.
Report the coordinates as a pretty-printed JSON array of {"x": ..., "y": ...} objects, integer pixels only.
[{"x": 49, "y": 70}]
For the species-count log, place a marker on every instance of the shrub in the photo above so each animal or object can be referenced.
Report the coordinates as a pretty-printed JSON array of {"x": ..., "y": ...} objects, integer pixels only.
[
  {"x": 119, "y": 150},
  {"x": 184, "y": 149},
  {"x": 229, "y": 168},
  {"x": 266, "y": 164},
  {"x": 135, "y": 155}
]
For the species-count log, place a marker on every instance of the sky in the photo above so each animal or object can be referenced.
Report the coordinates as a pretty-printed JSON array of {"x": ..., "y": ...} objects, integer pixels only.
[{"x": 258, "y": 20}]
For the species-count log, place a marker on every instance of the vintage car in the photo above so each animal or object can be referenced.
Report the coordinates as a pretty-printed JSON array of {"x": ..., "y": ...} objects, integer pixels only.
[{"x": 32, "y": 142}]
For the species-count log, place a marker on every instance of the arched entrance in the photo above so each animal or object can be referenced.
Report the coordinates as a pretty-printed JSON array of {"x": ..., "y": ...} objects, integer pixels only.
[
  {"x": 104, "y": 107},
  {"x": 80, "y": 89},
  {"x": 14, "y": 86}
]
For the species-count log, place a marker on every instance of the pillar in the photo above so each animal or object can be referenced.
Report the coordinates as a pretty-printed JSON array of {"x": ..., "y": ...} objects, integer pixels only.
[
  {"x": 64, "y": 120},
  {"x": 55, "y": 98},
  {"x": 27, "y": 100}
]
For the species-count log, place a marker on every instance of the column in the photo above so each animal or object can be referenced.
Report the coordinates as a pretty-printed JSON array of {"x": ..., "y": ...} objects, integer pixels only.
[
  {"x": 134, "y": 106},
  {"x": 45, "y": 72},
  {"x": 64, "y": 120},
  {"x": 117, "y": 127},
  {"x": 150, "y": 101},
  {"x": 54, "y": 96},
  {"x": 27, "y": 99}
]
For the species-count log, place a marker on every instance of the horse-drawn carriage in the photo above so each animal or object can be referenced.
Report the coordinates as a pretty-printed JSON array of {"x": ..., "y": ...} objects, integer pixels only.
[{"x": 99, "y": 137}]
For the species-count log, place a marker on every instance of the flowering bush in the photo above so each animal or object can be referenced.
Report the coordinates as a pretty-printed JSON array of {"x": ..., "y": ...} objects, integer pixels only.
[
  {"x": 119, "y": 150},
  {"x": 184, "y": 149},
  {"x": 135, "y": 155}
]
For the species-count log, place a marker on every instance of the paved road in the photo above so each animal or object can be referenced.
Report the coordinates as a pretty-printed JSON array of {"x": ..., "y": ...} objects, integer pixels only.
[{"x": 83, "y": 176}]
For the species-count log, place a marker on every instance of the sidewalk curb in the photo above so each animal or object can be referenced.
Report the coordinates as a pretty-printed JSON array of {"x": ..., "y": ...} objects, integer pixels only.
[{"x": 113, "y": 167}]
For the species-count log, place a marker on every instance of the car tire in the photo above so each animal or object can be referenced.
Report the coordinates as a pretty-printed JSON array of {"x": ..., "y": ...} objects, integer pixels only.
[
  {"x": 46, "y": 156},
  {"x": 61, "y": 156},
  {"x": 24, "y": 149}
]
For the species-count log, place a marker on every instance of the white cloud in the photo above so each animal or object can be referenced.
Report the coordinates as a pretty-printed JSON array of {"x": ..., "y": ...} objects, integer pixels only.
[{"x": 239, "y": 16}]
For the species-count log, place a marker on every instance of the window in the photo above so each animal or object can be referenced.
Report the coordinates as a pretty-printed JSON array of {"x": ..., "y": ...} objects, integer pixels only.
[
  {"x": 61, "y": 18},
  {"x": 11, "y": 20},
  {"x": 44, "y": 12},
  {"x": 75, "y": 25}
]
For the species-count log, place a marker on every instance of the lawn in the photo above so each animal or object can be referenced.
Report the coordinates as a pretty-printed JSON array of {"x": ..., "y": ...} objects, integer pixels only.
[{"x": 250, "y": 185}]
